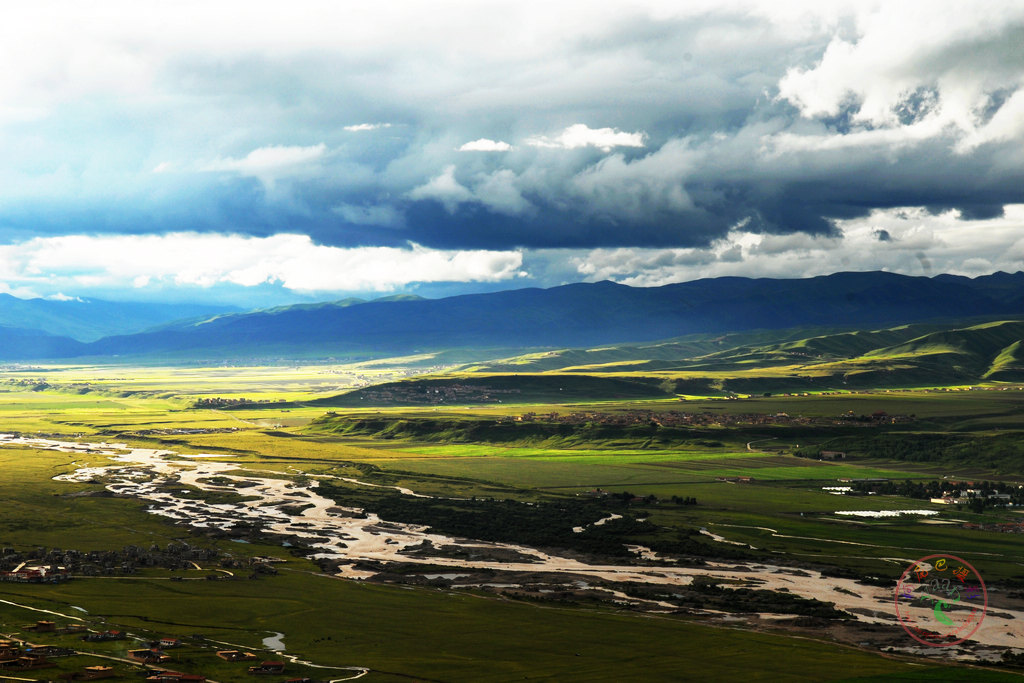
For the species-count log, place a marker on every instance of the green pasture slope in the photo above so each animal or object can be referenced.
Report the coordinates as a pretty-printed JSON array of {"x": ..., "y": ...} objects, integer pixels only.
[
  {"x": 795, "y": 360},
  {"x": 766, "y": 347}
]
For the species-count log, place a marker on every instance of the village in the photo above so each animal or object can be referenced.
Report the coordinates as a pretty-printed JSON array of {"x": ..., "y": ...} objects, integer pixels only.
[
  {"x": 440, "y": 394},
  {"x": 151, "y": 661},
  {"x": 39, "y": 645},
  {"x": 54, "y": 565},
  {"x": 675, "y": 418}
]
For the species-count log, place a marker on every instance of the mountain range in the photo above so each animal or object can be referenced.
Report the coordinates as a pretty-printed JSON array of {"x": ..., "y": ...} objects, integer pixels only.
[
  {"x": 575, "y": 315},
  {"x": 87, "y": 320}
]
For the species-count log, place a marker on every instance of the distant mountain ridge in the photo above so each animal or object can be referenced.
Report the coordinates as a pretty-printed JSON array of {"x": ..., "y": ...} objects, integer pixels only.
[
  {"x": 586, "y": 314},
  {"x": 575, "y": 315},
  {"x": 17, "y": 343},
  {"x": 87, "y": 320}
]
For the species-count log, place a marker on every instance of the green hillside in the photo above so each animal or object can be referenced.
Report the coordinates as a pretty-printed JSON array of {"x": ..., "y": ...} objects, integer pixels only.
[
  {"x": 910, "y": 355},
  {"x": 977, "y": 344},
  {"x": 798, "y": 360},
  {"x": 683, "y": 351},
  {"x": 1008, "y": 366},
  {"x": 973, "y": 342}
]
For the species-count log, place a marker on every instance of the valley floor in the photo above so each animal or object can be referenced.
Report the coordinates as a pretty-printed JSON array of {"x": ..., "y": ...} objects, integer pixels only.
[{"x": 393, "y": 558}]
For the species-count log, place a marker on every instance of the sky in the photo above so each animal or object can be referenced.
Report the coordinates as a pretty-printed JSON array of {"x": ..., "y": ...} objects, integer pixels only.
[{"x": 260, "y": 153}]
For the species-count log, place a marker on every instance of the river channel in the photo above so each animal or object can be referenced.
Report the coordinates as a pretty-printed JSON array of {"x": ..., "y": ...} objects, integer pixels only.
[{"x": 348, "y": 534}]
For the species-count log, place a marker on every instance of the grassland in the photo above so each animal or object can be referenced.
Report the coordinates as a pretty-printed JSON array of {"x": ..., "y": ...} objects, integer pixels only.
[{"x": 431, "y": 634}]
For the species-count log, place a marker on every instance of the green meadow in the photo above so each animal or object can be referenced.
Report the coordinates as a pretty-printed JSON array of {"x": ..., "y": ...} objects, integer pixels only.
[
  {"x": 434, "y": 635},
  {"x": 423, "y": 633}
]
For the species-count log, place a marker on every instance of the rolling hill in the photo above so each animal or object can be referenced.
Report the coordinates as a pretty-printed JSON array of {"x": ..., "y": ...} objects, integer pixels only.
[
  {"x": 908, "y": 355},
  {"x": 919, "y": 355}
]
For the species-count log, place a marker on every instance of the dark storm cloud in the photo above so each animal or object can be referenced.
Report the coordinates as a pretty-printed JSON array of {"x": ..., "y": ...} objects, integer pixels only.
[
  {"x": 608, "y": 127},
  {"x": 971, "y": 211}
]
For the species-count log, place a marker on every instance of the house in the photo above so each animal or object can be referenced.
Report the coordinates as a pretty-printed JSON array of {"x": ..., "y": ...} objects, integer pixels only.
[
  {"x": 35, "y": 574},
  {"x": 236, "y": 656},
  {"x": 49, "y": 651},
  {"x": 95, "y": 673},
  {"x": 25, "y": 662},
  {"x": 832, "y": 455},
  {"x": 176, "y": 677},
  {"x": 104, "y": 636},
  {"x": 148, "y": 656},
  {"x": 267, "y": 668},
  {"x": 42, "y": 627},
  {"x": 89, "y": 673}
]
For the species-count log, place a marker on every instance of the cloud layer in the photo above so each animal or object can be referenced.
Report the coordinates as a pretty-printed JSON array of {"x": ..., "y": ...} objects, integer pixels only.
[
  {"x": 910, "y": 241},
  {"x": 636, "y": 136},
  {"x": 293, "y": 262}
]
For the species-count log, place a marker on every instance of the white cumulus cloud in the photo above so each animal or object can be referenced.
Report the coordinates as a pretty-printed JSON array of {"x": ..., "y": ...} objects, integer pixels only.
[
  {"x": 498, "y": 191},
  {"x": 443, "y": 188},
  {"x": 361, "y": 127},
  {"x": 485, "y": 145},
  {"x": 905, "y": 65},
  {"x": 293, "y": 262},
  {"x": 61, "y": 296},
  {"x": 269, "y": 158},
  {"x": 581, "y": 135},
  {"x": 270, "y": 163}
]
